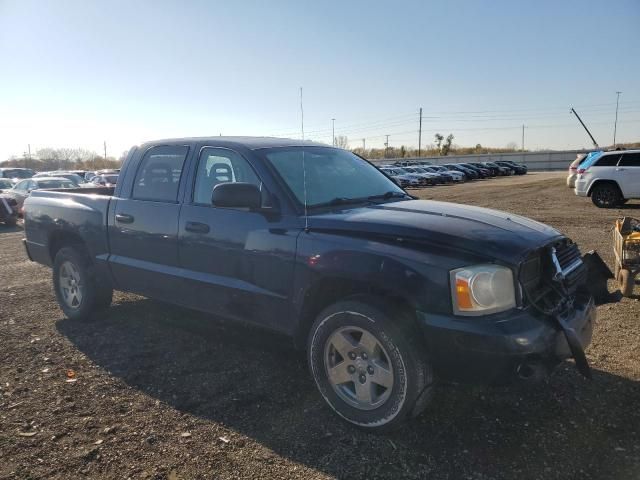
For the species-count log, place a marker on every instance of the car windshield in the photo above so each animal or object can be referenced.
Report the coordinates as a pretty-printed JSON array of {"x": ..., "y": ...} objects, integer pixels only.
[
  {"x": 54, "y": 183},
  {"x": 329, "y": 175},
  {"x": 18, "y": 173},
  {"x": 5, "y": 183}
]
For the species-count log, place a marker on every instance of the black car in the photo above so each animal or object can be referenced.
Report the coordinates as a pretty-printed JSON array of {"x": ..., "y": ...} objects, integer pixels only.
[
  {"x": 384, "y": 292},
  {"x": 493, "y": 171},
  {"x": 500, "y": 170},
  {"x": 469, "y": 172},
  {"x": 482, "y": 172},
  {"x": 517, "y": 168}
]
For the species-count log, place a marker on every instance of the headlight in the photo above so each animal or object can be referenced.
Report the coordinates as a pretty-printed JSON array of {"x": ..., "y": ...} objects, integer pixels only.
[{"x": 482, "y": 289}]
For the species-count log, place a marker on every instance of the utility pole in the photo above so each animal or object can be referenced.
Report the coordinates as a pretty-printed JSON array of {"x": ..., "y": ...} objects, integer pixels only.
[
  {"x": 364, "y": 145},
  {"x": 420, "y": 133},
  {"x": 333, "y": 131},
  {"x": 105, "y": 149},
  {"x": 615, "y": 125},
  {"x": 523, "y": 137},
  {"x": 386, "y": 147},
  {"x": 29, "y": 149}
]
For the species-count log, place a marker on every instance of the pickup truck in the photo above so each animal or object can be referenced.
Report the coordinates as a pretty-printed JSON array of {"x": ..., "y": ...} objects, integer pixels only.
[{"x": 386, "y": 293}]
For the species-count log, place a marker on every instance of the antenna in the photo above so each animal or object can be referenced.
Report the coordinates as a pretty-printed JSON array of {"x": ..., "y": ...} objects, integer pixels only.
[{"x": 304, "y": 167}]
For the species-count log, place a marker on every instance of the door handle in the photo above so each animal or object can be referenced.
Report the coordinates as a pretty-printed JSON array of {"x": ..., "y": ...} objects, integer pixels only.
[
  {"x": 620, "y": 169},
  {"x": 197, "y": 227},
  {"x": 124, "y": 218}
]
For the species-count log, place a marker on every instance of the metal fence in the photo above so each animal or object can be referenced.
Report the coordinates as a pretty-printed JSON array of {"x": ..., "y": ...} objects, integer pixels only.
[{"x": 533, "y": 160}]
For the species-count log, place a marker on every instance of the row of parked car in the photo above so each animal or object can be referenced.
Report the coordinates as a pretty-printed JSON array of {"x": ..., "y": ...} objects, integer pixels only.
[
  {"x": 419, "y": 174},
  {"x": 16, "y": 184}
]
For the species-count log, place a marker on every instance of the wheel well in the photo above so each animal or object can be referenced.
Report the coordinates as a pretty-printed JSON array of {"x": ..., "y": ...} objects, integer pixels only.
[
  {"x": 602, "y": 182},
  {"x": 331, "y": 290},
  {"x": 62, "y": 239}
]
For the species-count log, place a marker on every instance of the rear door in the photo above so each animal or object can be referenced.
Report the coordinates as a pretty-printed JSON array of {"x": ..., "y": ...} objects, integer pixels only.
[
  {"x": 604, "y": 168},
  {"x": 143, "y": 225},
  {"x": 628, "y": 170}
]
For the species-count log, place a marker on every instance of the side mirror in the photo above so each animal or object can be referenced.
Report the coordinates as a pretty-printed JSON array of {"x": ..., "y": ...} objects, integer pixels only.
[{"x": 236, "y": 195}]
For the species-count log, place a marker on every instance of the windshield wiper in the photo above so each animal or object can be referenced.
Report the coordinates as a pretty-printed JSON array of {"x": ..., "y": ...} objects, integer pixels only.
[
  {"x": 388, "y": 195},
  {"x": 338, "y": 201}
]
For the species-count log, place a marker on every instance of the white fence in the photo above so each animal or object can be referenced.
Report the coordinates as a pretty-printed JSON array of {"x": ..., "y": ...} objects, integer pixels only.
[{"x": 533, "y": 160}]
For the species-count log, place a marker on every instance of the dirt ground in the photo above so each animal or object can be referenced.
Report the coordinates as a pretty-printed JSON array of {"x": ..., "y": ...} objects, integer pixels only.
[{"x": 162, "y": 392}]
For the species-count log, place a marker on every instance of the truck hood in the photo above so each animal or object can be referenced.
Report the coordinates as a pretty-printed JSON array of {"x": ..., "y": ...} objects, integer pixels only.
[{"x": 481, "y": 231}]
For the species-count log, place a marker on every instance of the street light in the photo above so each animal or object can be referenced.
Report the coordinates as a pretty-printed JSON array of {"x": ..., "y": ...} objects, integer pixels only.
[
  {"x": 615, "y": 125},
  {"x": 333, "y": 131}
]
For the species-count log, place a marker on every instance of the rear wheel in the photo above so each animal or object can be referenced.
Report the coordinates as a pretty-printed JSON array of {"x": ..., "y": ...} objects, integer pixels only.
[
  {"x": 606, "y": 195},
  {"x": 370, "y": 369},
  {"x": 78, "y": 289}
]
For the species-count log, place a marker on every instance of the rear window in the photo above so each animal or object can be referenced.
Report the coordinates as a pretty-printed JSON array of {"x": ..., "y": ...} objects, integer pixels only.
[
  {"x": 55, "y": 184},
  {"x": 630, "y": 160},
  {"x": 158, "y": 176}
]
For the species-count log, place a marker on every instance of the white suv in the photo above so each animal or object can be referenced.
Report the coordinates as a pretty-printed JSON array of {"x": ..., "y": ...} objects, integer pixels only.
[{"x": 610, "y": 179}]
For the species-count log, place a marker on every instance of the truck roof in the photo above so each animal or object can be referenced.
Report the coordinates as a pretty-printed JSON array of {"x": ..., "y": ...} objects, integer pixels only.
[{"x": 252, "y": 143}]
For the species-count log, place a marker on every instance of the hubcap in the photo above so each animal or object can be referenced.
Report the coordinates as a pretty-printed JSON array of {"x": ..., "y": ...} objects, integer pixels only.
[
  {"x": 358, "y": 368},
  {"x": 605, "y": 196},
  {"x": 71, "y": 286}
]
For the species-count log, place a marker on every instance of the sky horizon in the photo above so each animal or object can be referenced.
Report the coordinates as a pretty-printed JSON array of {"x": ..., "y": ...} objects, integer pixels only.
[{"x": 78, "y": 73}]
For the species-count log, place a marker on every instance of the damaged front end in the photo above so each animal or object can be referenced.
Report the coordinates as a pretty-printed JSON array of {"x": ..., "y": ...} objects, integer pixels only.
[{"x": 554, "y": 282}]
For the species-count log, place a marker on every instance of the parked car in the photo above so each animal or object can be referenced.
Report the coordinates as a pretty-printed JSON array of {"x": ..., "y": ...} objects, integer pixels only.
[
  {"x": 72, "y": 177},
  {"x": 105, "y": 180},
  {"x": 455, "y": 174},
  {"x": 517, "y": 168},
  {"x": 403, "y": 179},
  {"x": 6, "y": 184},
  {"x": 489, "y": 171},
  {"x": 482, "y": 172},
  {"x": 609, "y": 178},
  {"x": 573, "y": 169},
  {"x": 500, "y": 170},
  {"x": 8, "y": 210},
  {"x": 16, "y": 173},
  {"x": 385, "y": 293},
  {"x": 435, "y": 178},
  {"x": 468, "y": 172},
  {"x": 23, "y": 188}
]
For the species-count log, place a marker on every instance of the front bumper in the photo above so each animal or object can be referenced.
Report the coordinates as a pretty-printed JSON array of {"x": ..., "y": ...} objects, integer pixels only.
[{"x": 504, "y": 348}]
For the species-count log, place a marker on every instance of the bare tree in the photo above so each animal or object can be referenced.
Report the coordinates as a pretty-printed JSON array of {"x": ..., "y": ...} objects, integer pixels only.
[{"x": 341, "y": 141}]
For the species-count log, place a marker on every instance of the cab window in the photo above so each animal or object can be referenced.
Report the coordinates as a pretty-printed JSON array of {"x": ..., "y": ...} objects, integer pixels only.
[
  {"x": 158, "y": 176},
  {"x": 219, "y": 165}
]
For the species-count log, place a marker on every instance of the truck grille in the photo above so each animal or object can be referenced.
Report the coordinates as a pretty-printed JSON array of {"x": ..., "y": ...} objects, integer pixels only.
[{"x": 551, "y": 274}]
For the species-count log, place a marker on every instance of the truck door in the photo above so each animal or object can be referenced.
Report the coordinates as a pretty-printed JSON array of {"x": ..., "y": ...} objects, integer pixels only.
[
  {"x": 237, "y": 263},
  {"x": 629, "y": 175},
  {"x": 143, "y": 228}
]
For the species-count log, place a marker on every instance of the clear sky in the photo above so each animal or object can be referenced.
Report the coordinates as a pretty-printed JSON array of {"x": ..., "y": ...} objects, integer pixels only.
[{"x": 75, "y": 73}]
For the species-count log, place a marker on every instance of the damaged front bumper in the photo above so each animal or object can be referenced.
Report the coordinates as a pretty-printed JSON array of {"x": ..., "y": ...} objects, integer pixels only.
[{"x": 507, "y": 347}]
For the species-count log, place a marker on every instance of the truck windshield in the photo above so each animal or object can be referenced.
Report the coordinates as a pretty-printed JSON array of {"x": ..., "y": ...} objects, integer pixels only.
[{"x": 331, "y": 176}]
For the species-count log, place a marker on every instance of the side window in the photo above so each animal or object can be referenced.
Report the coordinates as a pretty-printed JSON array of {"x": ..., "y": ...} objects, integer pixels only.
[
  {"x": 607, "y": 161},
  {"x": 219, "y": 165},
  {"x": 630, "y": 160},
  {"x": 158, "y": 175}
]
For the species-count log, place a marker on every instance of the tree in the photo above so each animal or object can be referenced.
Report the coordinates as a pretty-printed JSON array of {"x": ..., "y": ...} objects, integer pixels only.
[
  {"x": 341, "y": 141},
  {"x": 447, "y": 145},
  {"x": 438, "y": 139}
]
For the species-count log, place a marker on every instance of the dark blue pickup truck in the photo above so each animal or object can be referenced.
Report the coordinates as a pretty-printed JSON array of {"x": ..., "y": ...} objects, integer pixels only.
[{"x": 385, "y": 292}]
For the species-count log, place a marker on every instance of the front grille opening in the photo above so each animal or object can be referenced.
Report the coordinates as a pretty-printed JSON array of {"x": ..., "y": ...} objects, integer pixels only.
[{"x": 545, "y": 288}]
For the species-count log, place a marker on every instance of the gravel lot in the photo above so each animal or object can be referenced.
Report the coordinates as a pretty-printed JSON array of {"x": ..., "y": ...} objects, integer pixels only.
[{"x": 162, "y": 392}]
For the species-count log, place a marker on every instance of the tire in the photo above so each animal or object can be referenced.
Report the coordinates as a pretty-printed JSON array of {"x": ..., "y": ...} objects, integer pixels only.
[
  {"x": 606, "y": 195},
  {"x": 78, "y": 289},
  {"x": 626, "y": 281},
  {"x": 395, "y": 372}
]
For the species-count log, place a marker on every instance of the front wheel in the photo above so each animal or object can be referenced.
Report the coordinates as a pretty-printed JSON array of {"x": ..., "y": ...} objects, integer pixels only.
[{"x": 371, "y": 369}]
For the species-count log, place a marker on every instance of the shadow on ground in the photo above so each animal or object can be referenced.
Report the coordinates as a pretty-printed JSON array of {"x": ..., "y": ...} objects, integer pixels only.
[{"x": 253, "y": 382}]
